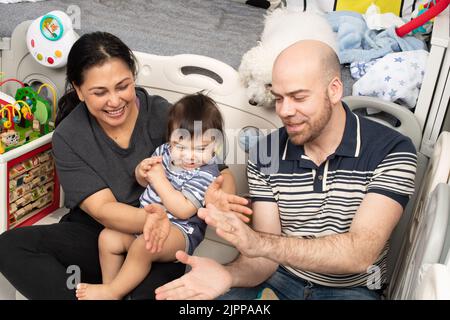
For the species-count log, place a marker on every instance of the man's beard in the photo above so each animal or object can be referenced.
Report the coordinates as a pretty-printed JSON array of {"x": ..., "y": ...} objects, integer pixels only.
[{"x": 313, "y": 129}]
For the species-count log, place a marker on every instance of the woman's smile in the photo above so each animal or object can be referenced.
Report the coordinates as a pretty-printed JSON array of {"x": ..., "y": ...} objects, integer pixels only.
[{"x": 116, "y": 113}]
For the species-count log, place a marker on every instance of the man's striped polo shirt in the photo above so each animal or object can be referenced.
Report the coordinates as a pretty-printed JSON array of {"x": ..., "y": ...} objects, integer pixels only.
[{"x": 316, "y": 201}]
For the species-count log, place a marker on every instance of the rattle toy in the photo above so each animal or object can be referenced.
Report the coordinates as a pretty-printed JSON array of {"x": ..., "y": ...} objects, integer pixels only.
[{"x": 50, "y": 38}]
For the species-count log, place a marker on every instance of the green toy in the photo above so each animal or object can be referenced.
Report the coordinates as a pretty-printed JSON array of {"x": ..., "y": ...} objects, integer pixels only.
[
  {"x": 41, "y": 109},
  {"x": 27, "y": 117}
]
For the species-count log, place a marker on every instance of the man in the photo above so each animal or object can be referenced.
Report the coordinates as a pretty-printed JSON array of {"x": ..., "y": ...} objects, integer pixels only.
[{"x": 323, "y": 209}]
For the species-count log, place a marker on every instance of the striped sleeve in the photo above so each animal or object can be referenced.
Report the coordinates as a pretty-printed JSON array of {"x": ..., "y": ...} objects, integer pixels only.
[
  {"x": 161, "y": 150},
  {"x": 258, "y": 184},
  {"x": 394, "y": 176}
]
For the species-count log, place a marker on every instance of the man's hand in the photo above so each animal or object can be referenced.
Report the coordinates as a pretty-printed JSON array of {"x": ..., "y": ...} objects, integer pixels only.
[
  {"x": 156, "y": 227},
  {"x": 231, "y": 228},
  {"x": 227, "y": 202},
  {"x": 207, "y": 280}
]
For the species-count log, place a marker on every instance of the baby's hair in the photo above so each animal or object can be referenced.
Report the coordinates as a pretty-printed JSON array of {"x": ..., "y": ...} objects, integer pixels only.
[{"x": 191, "y": 109}]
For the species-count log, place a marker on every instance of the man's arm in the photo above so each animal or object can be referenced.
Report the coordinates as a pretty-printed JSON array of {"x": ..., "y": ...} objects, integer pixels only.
[
  {"x": 350, "y": 252},
  {"x": 249, "y": 272}
]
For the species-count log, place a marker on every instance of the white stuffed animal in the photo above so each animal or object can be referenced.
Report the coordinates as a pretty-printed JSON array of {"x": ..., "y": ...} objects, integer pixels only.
[{"x": 283, "y": 27}]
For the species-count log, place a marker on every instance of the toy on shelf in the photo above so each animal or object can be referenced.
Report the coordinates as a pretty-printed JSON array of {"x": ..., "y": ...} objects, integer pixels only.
[
  {"x": 32, "y": 187},
  {"x": 26, "y": 117},
  {"x": 41, "y": 109},
  {"x": 10, "y": 138},
  {"x": 13, "y": 116},
  {"x": 29, "y": 187},
  {"x": 50, "y": 38},
  {"x": 26, "y": 111},
  {"x": 51, "y": 115}
]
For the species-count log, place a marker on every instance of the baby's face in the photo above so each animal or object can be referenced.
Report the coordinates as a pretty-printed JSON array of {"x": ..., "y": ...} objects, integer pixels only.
[{"x": 190, "y": 153}]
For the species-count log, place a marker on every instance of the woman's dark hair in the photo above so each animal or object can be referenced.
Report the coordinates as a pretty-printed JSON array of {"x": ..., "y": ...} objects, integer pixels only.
[
  {"x": 91, "y": 49},
  {"x": 194, "y": 107}
]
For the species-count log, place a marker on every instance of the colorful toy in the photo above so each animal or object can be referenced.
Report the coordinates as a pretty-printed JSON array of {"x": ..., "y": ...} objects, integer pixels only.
[
  {"x": 6, "y": 99},
  {"x": 13, "y": 116},
  {"x": 40, "y": 108},
  {"x": 26, "y": 110},
  {"x": 33, "y": 187},
  {"x": 423, "y": 18},
  {"x": 50, "y": 38},
  {"x": 421, "y": 7},
  {"x": 25, "y": 118},
  {"x": 12, "y": 80},
  {"x": 267, "y": 294},
  {"x": 53, "y": 115},
  {"x": 10, "y": 138}
]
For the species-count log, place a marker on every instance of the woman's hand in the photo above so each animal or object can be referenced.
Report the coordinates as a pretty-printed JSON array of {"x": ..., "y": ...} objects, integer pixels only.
[
  {"x": 227, "y": 202},
  {"x": 156, "y": 227}
]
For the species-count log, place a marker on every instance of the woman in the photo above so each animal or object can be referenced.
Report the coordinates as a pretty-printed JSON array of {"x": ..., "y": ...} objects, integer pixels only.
[{"x": 109, "y": 126}]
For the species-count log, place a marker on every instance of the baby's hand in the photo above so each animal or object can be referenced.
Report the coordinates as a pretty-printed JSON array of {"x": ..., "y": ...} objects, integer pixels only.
[
  {"x": 142, "y": 168},
  {"x": 155, "y": 174},
  {"x": 155, "y": 160},
  {"x": 145, "y": 165}
]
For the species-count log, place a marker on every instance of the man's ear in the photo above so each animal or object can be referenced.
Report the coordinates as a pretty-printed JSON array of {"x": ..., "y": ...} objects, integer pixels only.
[
  {"x": 78, "y": 91},
  {"x": 335, "y": 90}
]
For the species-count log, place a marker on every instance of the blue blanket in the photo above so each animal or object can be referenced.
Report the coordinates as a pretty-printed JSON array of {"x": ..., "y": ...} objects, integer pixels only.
[{"x": 358, "y": 43}]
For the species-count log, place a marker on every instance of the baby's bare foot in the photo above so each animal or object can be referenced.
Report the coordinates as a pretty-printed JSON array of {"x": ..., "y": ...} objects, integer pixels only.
[{"x": 87, "y": 291}]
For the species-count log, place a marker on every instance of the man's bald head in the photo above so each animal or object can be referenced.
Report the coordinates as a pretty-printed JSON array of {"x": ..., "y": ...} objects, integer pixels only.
[{"x": 313, "y": 54}]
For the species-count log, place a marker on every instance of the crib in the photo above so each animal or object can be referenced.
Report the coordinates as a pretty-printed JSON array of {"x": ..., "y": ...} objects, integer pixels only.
[{"x": 174, "y": 76}]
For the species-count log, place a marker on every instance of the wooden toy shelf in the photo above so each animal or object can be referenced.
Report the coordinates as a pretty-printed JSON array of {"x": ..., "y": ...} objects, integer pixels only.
[{"x": 29, "y": 186}]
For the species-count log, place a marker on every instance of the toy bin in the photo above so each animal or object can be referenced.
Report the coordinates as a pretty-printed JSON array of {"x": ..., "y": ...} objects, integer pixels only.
[{"x": 29, "y": 187}]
